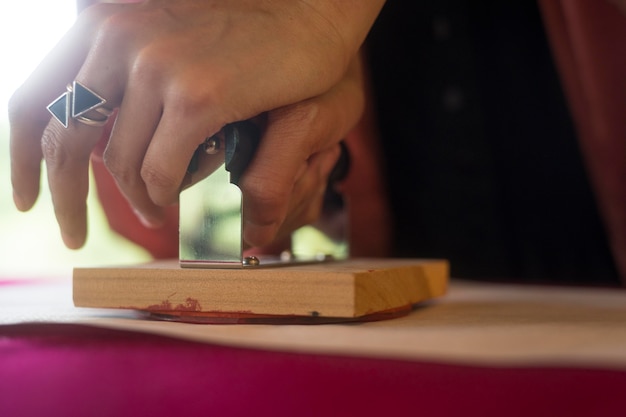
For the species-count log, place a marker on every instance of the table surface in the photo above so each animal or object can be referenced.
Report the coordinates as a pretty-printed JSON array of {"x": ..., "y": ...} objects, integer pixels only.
[
  {"x": 486, "y": 344},
  {"x": 475, "y": 323}
]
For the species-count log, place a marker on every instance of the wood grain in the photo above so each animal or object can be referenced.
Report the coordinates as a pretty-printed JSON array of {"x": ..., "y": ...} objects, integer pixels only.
[{"x": 352, "y": 289}]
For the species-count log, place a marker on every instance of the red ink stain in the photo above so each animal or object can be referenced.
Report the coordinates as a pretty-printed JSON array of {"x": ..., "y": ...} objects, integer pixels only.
[
  {"x": 190, "y": 304},
  {"x": 164, "y": 306}
]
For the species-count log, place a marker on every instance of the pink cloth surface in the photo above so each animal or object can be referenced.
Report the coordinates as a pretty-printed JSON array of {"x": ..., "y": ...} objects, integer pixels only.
[{"x": 74, "y": 370}]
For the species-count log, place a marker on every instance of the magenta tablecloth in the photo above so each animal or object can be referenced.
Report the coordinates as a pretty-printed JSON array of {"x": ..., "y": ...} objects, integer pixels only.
[{"x": 75, "y": 370}]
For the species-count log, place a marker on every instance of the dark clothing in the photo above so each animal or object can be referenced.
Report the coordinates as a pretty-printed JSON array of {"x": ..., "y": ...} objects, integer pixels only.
[{"x": 483, "y": 162}]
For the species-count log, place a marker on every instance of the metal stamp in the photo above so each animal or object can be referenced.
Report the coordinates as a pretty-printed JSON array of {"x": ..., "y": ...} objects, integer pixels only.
[{"x": 211, "y": 211}]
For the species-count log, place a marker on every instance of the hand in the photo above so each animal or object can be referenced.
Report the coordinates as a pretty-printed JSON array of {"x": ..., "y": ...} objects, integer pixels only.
[
  {"x": 300, "y": 138},
  {"x": 178, "y": 71},
  {"x": 284, "y": 186}
]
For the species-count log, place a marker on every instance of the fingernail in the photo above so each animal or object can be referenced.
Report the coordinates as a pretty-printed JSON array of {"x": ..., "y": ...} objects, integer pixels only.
[
  {"x": 19, "y": 202},
  {"x": 71, "y": 241},
  {"x": 257, "y": 235},
  {"x": 148, "y": 222}
]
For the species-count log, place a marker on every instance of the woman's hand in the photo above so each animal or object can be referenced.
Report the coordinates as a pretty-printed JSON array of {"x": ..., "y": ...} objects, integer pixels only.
[
  {"x": 285, "y": 183},
  {"x": 177, "y": 72},
  {"x": 301, "y": 138}
]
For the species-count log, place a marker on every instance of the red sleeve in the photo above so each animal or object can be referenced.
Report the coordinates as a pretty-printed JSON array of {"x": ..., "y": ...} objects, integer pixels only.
[
  {"x": 588, "y": 38},
  {"x": 369, "y": 214}
]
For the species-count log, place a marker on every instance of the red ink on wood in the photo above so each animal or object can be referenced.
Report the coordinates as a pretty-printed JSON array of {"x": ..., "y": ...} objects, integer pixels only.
[{"x": 190, "y": 304}]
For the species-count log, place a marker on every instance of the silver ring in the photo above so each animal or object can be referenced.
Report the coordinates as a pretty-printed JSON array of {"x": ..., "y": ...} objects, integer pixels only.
[
  {"x": 104, "y": 111},
  {"x": 91, "y": 122},
  {"x": 76, "y": 102}
]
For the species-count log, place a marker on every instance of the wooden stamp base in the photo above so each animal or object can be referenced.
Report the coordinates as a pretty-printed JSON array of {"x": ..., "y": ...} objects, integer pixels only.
[{"x": 355, "y": 289}]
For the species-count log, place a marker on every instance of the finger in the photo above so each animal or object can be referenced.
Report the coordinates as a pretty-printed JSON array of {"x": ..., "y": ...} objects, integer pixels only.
[
  {"x": 293, "y": 134},
  {"x": 68, "y": 178},
  {"x": 25, "y": 162},
  {"x": 170, "y": 151},
  {"x": 281, "y": 163},
  {"x": 161, "y": 243},
  {"x": 307, "y": 198},
  {"x": 27, "y": 108},
  {"x": 67, "y": 150},
  {"x": 137, "y": 119}
]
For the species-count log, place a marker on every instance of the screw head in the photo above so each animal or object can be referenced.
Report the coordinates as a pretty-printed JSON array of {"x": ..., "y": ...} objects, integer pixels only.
[
  {"x": 251, "y": 261},
  {"x": 212, "y": 145}
]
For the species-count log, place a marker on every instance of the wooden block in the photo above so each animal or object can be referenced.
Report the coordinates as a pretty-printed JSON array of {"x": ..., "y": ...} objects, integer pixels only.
[{"x": 361, "y": 289}]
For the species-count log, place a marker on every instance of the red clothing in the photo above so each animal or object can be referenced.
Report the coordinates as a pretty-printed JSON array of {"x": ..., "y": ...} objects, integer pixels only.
[{"x": 589, "y": 42}]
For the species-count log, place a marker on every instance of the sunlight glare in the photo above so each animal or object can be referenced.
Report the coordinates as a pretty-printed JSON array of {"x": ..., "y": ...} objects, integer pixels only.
[{"x": 28, "y": 30}]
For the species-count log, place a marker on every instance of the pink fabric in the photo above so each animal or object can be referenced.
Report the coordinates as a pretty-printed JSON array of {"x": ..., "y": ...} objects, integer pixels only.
[
  {"x": 589, "y": 42},
  {"x": 71, "y": 370}
]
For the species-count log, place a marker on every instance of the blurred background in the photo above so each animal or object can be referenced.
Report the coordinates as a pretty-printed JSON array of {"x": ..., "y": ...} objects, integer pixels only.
[{"x": 30, "y": 244}]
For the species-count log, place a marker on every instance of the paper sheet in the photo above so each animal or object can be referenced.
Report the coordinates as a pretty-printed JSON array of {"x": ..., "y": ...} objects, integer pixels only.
[{"x": 475, "y": 323}]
